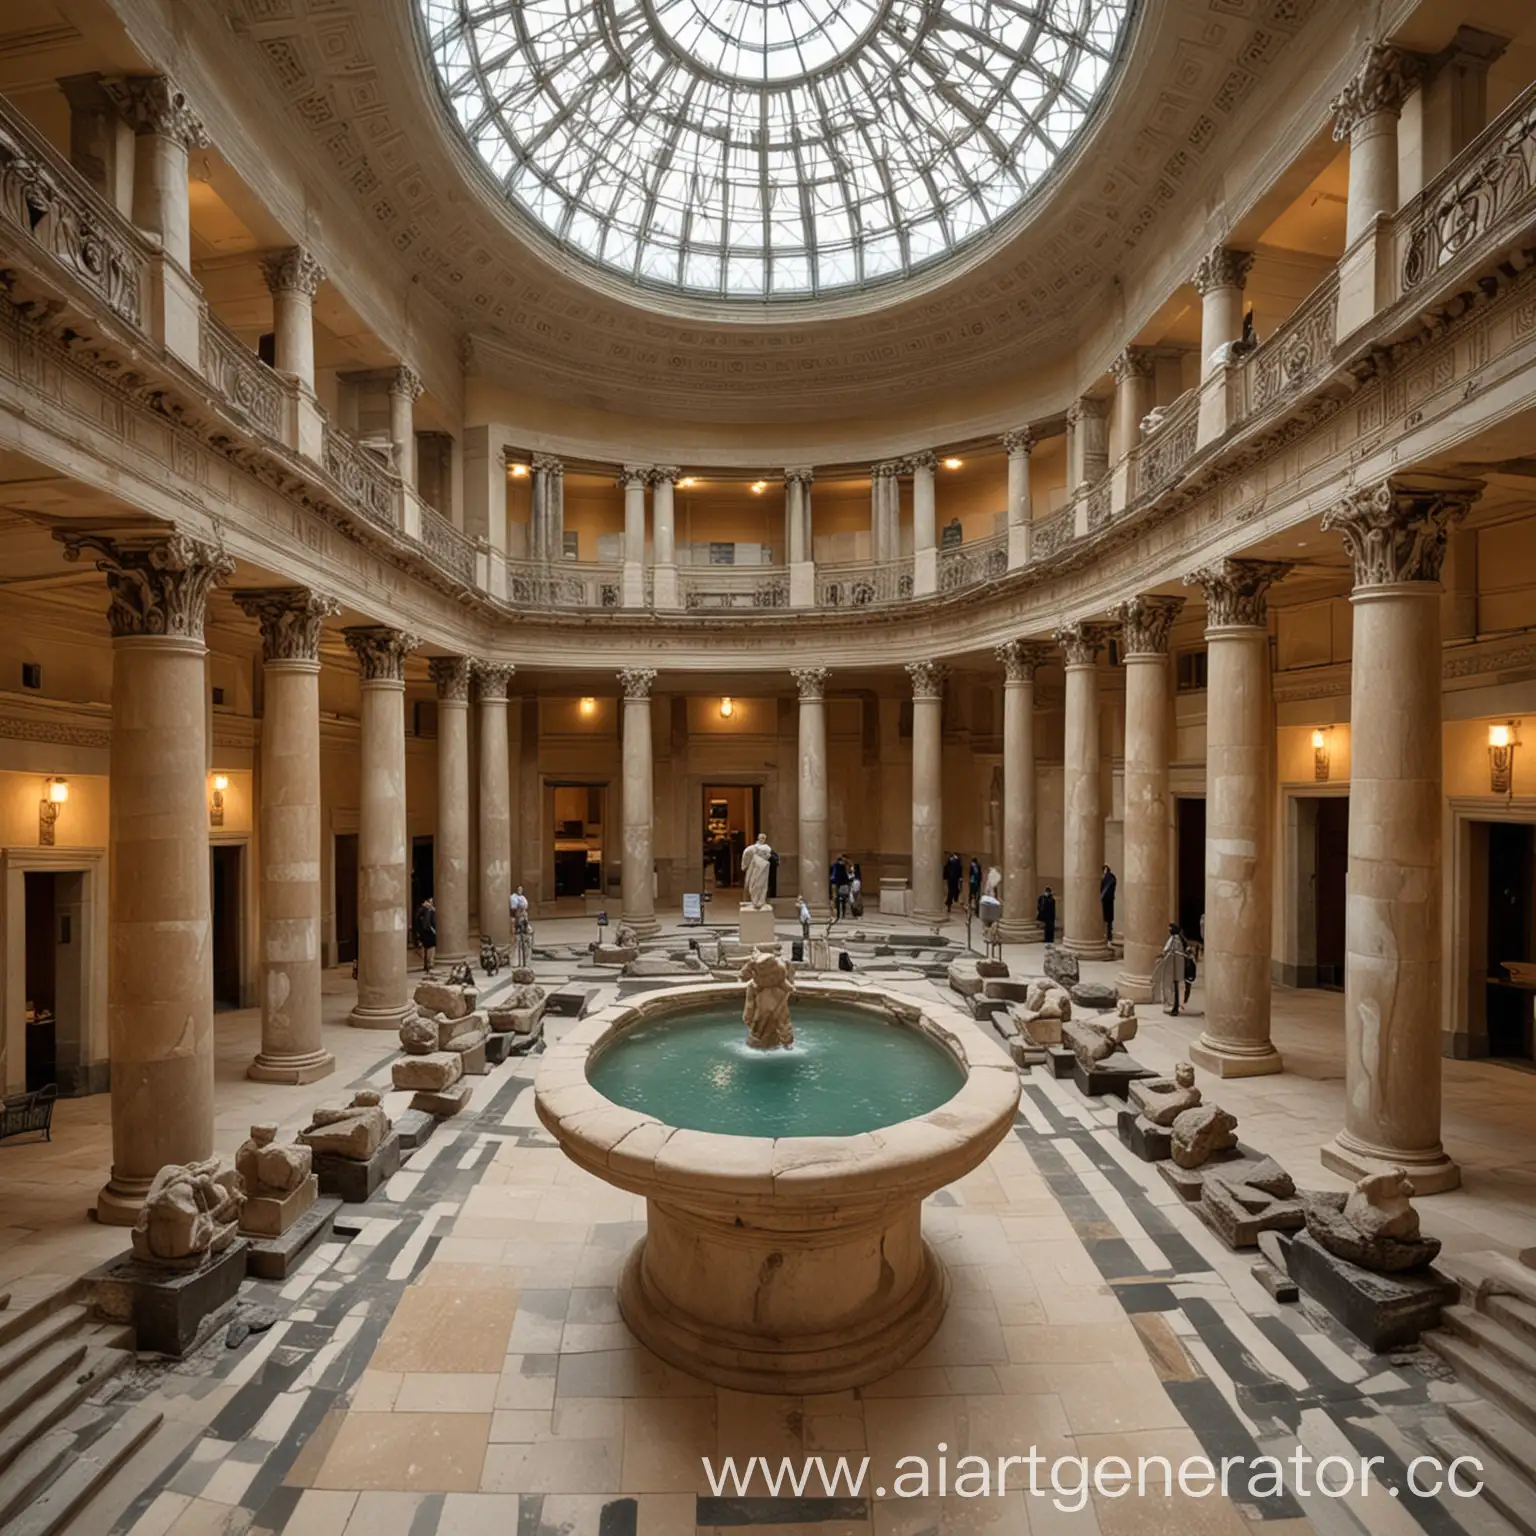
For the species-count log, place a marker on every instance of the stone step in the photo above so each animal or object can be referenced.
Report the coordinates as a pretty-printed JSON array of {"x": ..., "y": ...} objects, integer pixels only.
[
  {"x": 33, "y": 1471},
  {"x": 1517, "y": 1315},
  {"x": 95, "y": 1368},
  {"x": 35, "y": 1375},
  {"x": 51, "y": 1326},
  {"x": 14, "y": 1324},
  {"x": 89, "y": 1469},
  {"x": 1475, "y": 1367},
  {"x": 1488, "y": 1273},
  {"x": 1487, "y": 1333},
  {"x": 1506, "y": 1491},
  {"x": 1502, "y": 1437}
]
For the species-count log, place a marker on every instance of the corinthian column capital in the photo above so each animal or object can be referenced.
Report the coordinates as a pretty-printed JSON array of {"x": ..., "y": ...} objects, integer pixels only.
[
  {"x": 1019, "y": 440},
  {"x": 1021, "y": 659},
  {"x": 1237, "y": 591},
  {"x": 381, "y": 651},
  {"x": 406, "y": 381},
  {"x": 1082, "y": 642},
  {"x": 492, "y": 680},
  {"x": 291, "y": 620},
  {"x": 158, "y": 583},
  {"x": 1145, "y": 623},
  {"x": 1396, "y": 532},
  {"x": 292, "y": 271},
  {"x": 637, "y": 681},
  {"x": 1381, "y": 84},
  {"x": 450, "y": 674},
  {"x": 811, "y": 681},
  {"x": 1222, "y": 267},
  {"x": 927, "y": 679},
  {"x": 156, "y": 104}
]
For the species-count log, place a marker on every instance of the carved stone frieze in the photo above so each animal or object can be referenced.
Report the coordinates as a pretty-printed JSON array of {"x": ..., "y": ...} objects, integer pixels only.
[
  {"x": 292, "y": 271},
  {"x": 1021, "y": 659},
  {"x": 381, "y": 651},
  {"x": 1082, "y": 642},
  {"x": 156, "y": 104},
  {"x": 450, "y": 676},
  {"x": 1396, "y": 531},
  {"x": 291, "y": 620},
  {"x": 1145, "y": 623},
  {"x": 637, "y": 682},
  {"x": 811, "y": 681},
  {"x": 1222, "y": 267},
  {"x": 492, "y": 679},
  {"x": 1382, "y": 84},
  {"x": 927, "y": 679},
  {"x": 159, "y": 583},
  {"x": 1237, "y": 591}
]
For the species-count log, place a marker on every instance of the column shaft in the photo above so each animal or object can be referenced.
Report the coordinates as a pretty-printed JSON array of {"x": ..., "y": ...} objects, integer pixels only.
[
  {"x": 1083, "y": 795},
  {"x": 815, "y": 861},
  {"x": 495, "y": 805},
  {"x": 1145, "y": 887},
  {"x": 1018, "y": 925},
  {"x": 403, "y": 393},
  {"x": 927, "y": 790},
  {"x": 639, "y": 880},
  {"x": 450, "y": 851}
]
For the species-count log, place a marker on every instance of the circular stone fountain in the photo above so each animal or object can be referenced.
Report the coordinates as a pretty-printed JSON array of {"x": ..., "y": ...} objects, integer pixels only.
[{"x": 784, "y": 1249}]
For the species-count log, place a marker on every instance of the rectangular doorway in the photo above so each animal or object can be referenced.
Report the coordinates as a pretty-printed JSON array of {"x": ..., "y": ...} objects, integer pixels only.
[
  {"x": 732, "y": 820},
  {"x": 1331, "y": 871},
  {"x": 345, "y": 897},
  {"x": 1191, "y": 865},
  {"x": 1511, "y": 893},
  {"x": 577, "y": 838},
  {"x": 421, "y": 874},
  {"x": 227, "y": 860},
  {"x": 54, "y": 982}
]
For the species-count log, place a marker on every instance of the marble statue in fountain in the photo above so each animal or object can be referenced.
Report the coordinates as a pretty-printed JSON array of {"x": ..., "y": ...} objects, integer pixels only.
[{"x": 766, "y": 1010}]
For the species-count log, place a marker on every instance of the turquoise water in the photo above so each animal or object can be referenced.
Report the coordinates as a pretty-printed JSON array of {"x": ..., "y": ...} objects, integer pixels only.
[{"x": 848, "y": 1071}]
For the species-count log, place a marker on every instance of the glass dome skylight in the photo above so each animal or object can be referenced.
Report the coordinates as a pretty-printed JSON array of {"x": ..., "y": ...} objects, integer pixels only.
[{"x": 760, "y": 149}]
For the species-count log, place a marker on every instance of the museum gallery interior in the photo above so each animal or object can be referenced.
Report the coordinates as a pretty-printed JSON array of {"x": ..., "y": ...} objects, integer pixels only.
[{"x": 767, "y": 764}]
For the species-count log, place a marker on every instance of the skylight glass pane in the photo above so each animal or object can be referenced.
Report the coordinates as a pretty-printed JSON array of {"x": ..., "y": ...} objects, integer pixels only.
[{"x": 770, "y": 147}]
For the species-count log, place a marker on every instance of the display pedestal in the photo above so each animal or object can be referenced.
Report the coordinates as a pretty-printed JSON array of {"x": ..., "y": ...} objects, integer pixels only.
[{"x": 756, "y": 925}]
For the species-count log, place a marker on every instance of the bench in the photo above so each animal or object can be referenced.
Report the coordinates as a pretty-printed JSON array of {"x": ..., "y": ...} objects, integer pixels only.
[{"x": 27, "y": 1112}]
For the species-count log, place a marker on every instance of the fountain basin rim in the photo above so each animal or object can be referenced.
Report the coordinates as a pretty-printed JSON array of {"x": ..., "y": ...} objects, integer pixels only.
[{"x": 908, "y": 1159}]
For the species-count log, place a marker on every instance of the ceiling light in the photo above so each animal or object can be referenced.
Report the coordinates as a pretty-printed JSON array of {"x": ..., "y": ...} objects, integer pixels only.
[{"x": 952, "y": 463}]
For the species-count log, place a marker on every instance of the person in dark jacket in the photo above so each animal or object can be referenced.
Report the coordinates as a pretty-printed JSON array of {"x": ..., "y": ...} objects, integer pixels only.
[
  {"x": 424, "y": 930},
  {"x": 953, "y": 871},
  {"x": 1045, "y": 914},
  {"x": 975, "y": 874},
  {"x": 1107, "y": 883}
]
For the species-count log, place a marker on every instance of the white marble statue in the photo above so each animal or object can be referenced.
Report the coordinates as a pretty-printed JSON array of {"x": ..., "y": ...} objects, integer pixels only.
[{"x": 756, "y": 861}]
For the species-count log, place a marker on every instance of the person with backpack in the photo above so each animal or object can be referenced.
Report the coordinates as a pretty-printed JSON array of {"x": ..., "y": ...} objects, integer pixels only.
[
  {"x": 424, "y": 931},
  {"x": 1175, "y": 968}
]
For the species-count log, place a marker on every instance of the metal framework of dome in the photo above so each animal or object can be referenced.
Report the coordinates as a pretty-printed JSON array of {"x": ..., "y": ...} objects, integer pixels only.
[{"x": 770, "y": 149}]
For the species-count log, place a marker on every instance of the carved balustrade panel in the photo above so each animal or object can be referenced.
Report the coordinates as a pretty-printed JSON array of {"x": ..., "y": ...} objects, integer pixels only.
[
  {"x": 863, "y": 585},
  {"x": 367, "y": 483},
  {"x": 452, "y": 550},
  {"x": 747, "y": 586},
  {"x": 243, "y": 384},
  {"x": 1052, "y": 534},
  {"x": 971, "y": 564}
]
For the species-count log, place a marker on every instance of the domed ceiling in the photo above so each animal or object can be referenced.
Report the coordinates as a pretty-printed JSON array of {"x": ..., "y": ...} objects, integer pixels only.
[{"x": 770, "y": 148}]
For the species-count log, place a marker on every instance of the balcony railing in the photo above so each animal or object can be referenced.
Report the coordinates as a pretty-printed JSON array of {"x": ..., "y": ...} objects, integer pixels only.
[
  {"x": 47, "y": 207},
  {"x": 453, "y": 551},
  {"x": 242, "y": 382},
  {"x": 971, "y": 564},
  {"x": 1488, "y": 187},
  {"x": 1052, "y": 533},
  {"x": 724, "y": 586},
  {"x": 365, "y": 481},
  {"x": 533, "y": 584},
  {"x": 1100, "y": 507},
  {"x": 864, "y": 585},
  {"x": 1164, "y": 452},
  {"x": 1296, "y": 354}
]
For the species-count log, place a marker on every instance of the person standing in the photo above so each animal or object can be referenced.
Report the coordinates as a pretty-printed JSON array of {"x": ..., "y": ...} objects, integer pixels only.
[
  {"x": 1045, "y": 914},
  {"x": 803, "y": 912},
  {"x": 424, "y": 930},
  {"x": 1175, "y": 968},
  {"x": 952, "y": 875},
  {"x": 856, "y": 893},
  {"x": 837, "y": 877},
  {"x": 1107, "y": 883},
  {"x": 975, "y": 873}
]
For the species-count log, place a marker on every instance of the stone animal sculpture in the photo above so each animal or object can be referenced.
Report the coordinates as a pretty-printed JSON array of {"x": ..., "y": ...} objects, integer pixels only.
[
  {"x": 1162, "y": 1100},
  {"x": 268, "y": 1166},
  {"x": 1200, "y": 1133},
  {"x": 766, "y": 1013},
  {"x": 1373, "y": 1226},
  {"x": 191, "y": 1212},
  {"x": 355, "y": 1130}
]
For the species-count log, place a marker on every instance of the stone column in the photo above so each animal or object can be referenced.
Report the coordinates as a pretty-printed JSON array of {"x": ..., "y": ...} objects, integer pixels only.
[
  {"x": 1219, "y": 280},
  {"x": 100, "y": 142},
  {"x": 927, "y": 790},
  {"x": 885, "y": 512},
  {"x": 1239, "y": 748},
  {"x": 815, "y": 862},
  {"x": 1089, "y": 420},
  {"x": 1133, "y": 371},
  {"x": 1396, "y": 534},
  {"x": 925, "y": 564},
  {"x": 547, "y": 529},
  {"x": 293, "y": 278},
  {"x": 802, "y": 546},
  {"x": 404, "y": 391},
  {"x": 1018, "y": 444},
  {"x": 383, "y": 870},
  {"x": 450, "y": 849},
  {"x": 1020, "y": 662},
  {"x": 1366, "y": 113},
  {"x": 291, "y": 619},
  {"x": 1082, "y": 927},
  {"x": 1145, "y": 885},
  {"x": 639, "y": 868},
  {"x": 159, "y": 909},
  {"x": 632, "y": 579},
  {"x": 495, "y": 803},
  {"x": 165, "y": 130},
  {"x": 664, "y": 536}
]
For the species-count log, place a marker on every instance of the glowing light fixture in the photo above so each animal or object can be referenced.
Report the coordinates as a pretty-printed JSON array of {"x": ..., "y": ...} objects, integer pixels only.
[
  {"x": 759, "y": 486},
  {"x": 1502, "y": 741},
  {"x": 55, "y": 793},
  {"x": 727, "y": 708},
  {"x": 953, "y": 463},
  {"x": 216, "y": 805},
  {"x": 519, "y": 471},
  {"x": 588, "y": 706},
  {"x": 1320, "y": 755},
  {"x": 688, "y": 482}
]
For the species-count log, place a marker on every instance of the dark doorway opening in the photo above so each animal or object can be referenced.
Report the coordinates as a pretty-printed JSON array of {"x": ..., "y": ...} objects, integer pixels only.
[
  {"x": 732, "y": 818},
  {"x": 1332, "y": 871},
  {"x": 1191, "y": 864},
  {"x": 421, "y": 872},
  {"x": 346, "y": 898},
  {"x": 54, "y": 979},
  {"x": 42, "y": 1017},
  {"x": 577, "y": 839},
  {"x": 226, "y": 926},
  {"x": 1511, "y": 912}
]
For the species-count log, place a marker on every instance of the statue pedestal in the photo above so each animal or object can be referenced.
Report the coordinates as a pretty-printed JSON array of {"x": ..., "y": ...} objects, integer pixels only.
[{"x": 756, "y": 925}]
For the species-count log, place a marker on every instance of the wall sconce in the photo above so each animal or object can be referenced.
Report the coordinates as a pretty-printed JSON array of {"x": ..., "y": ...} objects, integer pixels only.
[
  {"x": 727, "y": 708},
  {"x": 518, "y": 471},
  {"x": 55, "y": 793},
  {"x": 952, "y": 463},
  {"x": 688, "y": 482},
  {"x": 1320, "y": 755},
  {"x": 216, "y": 806},
  {"x": 1502, "y": 741},
  {"x": 588, "y": 706},
  {"x": 759, "y": 486}
]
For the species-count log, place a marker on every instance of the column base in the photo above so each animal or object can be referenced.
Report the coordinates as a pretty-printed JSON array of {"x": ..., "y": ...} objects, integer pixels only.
[
  {"x": 645, "y": 924},
  {"x": 309, "y": 1068},
  {"x": 1015, "y": 932},
  {"x": 1138, "y": 989},
  {"x": 1431, "y": 1171},
  {"x": 445, "y": 959},
  {"x": 120, "y": 1201},
  {"x": 935, "y": 918},
  {"x": 381, "y": 1018},
  {"x": 1223, "y": 1059},
  {"x": 1089, "y": 949}
]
